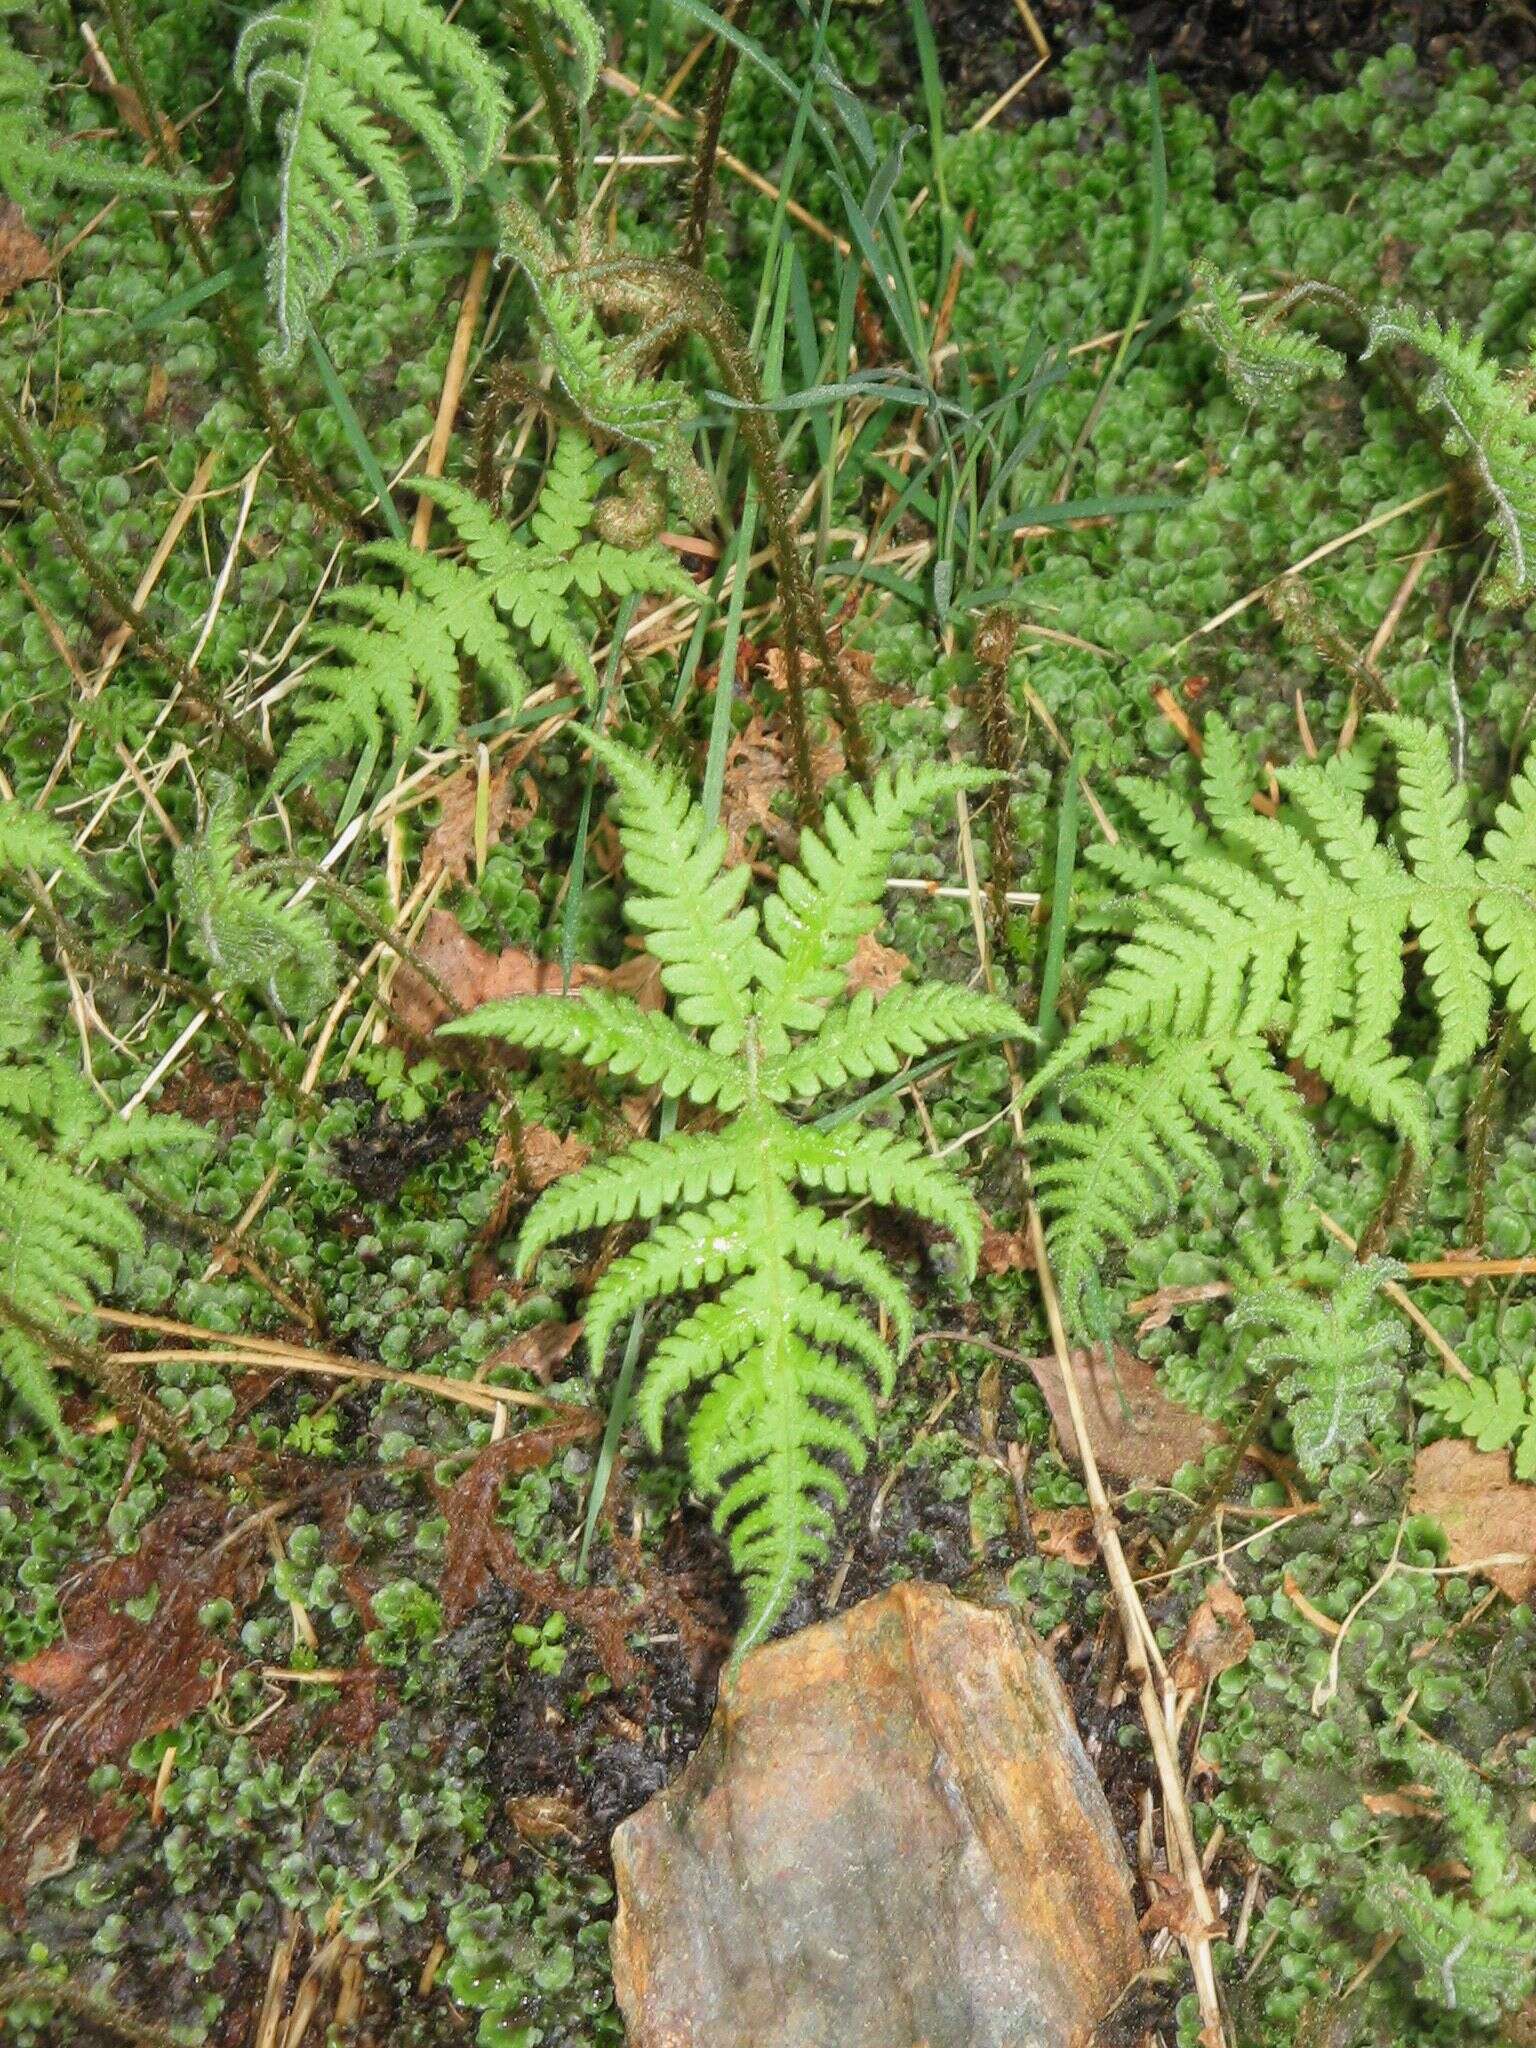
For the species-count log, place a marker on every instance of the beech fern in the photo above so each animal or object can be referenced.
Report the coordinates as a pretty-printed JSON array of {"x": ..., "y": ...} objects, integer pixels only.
[
  {"x": 762, "y": 1024},
  {"x": 514, "y": 587},
  {"x": 1255, "y": 938}
]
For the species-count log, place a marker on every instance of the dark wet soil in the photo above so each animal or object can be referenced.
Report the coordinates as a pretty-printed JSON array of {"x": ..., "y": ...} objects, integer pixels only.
[{"x": 1222, "y": 47}]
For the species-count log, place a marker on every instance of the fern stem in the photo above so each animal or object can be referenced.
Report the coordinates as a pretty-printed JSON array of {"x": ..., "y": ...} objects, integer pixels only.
[
  {"x": 139, "y": 974},
  {"x": 683, "y": 299},
  {"x": 295, "y": 464},
  {"x": 557, "y": 106},
  {"x": 702, "y": 187},
  {"x": 992, "y": 649},
  {"x": 1226, "y": 1472},
  {"x": 112, "y": 1375},
  {"x": 44, "y": 480}
]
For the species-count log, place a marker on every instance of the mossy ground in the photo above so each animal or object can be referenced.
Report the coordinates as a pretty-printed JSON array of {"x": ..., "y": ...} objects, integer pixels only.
[{"x": 423, "y": 1846}]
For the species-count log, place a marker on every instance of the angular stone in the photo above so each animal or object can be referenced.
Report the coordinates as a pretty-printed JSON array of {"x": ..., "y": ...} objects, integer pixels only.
[{"x": 890, "y": 1837}]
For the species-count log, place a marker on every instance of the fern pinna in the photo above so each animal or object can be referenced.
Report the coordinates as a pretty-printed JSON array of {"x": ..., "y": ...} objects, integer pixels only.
[
  {"x": 513, "y": 587},
  {"x": 762, "y": 1023},
  {"x": 61, "y": 1230},
  {"x": 339, "y": 71},
  {"x": 1256, "y": 935}
]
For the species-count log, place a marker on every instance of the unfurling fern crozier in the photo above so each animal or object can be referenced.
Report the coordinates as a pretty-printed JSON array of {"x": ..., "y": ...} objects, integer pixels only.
[{"x": 785, "y": 1365}]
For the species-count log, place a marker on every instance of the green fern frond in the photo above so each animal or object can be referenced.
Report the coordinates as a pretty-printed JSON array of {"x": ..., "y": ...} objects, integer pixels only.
[
  {"x": 1497, "y": 1414},
  {"x": 785, "y": 1365},
  {"x": 610, "y": 1031},
  {"x": 1260, "y": 358},
  {"x": 241, "y": 927},
  {"x": 1138, "y": 1135},
  {"x": 637, "y": 411},
  {"x": 34, "y": 163},
  {"x": 61, "y": 1232},
  {"x": 867, "y": 1037},
  {"x": 1475, "y": 1950},
  {"x": 1284, "y": 932},
  {"x": 31, "y": 839},
  {"x": 1341, "y": 1385},
  {"x": 338, "y": 72},
  {"x": 515, "y": 590},
  {"x": 651, "y": 1175},
  {"x": 1491, "y": 424},
  {"x": 827, "y": 903}
]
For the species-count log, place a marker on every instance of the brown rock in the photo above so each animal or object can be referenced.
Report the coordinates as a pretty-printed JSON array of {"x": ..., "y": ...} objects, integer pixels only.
[{"x": 890, "y": 1838}]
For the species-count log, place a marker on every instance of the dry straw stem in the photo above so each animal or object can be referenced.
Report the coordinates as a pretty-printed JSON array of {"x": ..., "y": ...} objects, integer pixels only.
[
  {"x": 1144, "y": 1660},
  {"x": 268, "y": 1354}
]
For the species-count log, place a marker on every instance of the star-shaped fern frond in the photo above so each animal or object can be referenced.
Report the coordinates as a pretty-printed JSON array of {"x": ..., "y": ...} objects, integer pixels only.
[
  {"x": 1255, "y": 935},
  {"x": 514, "y": 590},
  {"x": 784, "y": 1361}
]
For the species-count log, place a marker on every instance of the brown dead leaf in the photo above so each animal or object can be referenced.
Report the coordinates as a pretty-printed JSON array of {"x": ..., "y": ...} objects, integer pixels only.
[
  {"x": 23, "y": 257},
  {"x": 545, "y": 1817},
  {"x": 1409, "y": 1802},
  {"x": 1218, "y": 1636},
  {"x": 477, "y": 1549},
  {"x": 474, "y": 975},
  {"x": 1065, "y": 1532},
  {"x": 755, "y": 774},
  {"x": 546, "y": 1157},
  {"x": 157, "y": 391},
  {"x": 450, "y": 846},
  {"x": 1483, "y": 1511},
  {"x": 1149, "y": 1437},
  {"x": 539, "y": 1351},
  {"x": 1174, "y": 1909},
  {"x": 1004, "y": 1251},
  {"x": 875, "y": 967},
  {"x": 117, "y": 1680}
]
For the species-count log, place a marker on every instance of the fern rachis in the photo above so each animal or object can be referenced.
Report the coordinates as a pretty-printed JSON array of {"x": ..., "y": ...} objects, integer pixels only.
[{"x": 781, "y": 1359}]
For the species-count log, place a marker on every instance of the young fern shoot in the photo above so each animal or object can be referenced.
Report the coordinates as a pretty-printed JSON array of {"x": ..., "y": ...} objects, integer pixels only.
[
  {"x": 1252, "y": 936},
  {"x": 782, "y": 1361}
]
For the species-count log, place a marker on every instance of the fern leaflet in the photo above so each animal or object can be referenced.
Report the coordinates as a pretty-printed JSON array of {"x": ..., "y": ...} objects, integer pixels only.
[
  {"x": 338, "y": 71},
  {"x": 241, "y": 926},
  {"x": 781, "y": 1360},
  {"x": 33, "y": 163},
  {"x": 1261, "y": 358},
  {"x": 1497, "y": 1414}
]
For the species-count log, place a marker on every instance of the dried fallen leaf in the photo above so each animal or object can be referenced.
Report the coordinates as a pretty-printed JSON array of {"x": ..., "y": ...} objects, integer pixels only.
[
  {"x": 473, "y": 975},
  {"x": 546, "y": 1156},
  {"x": 23, "y": 257},
  {"x": 539, "y": 1351},
  {"x": 1483, "y": 1511},
  {"x": 1218, "y": 1635},
  {"x": 117, "y": 1680},
  {"x": 1146, "y": 1436},
  {"x": 546, "y": 1817},
  {"x": 1004, "y": 1251},
  {"x": 755, "y": 774},
  {"x": 1174, "y": 1909},
  {"x": 450, "y": 845},
  {"x": 1409, "y": 1802},
  {"x": 1065, "y": 1532},
  {"x": 875, "y": 967}
]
